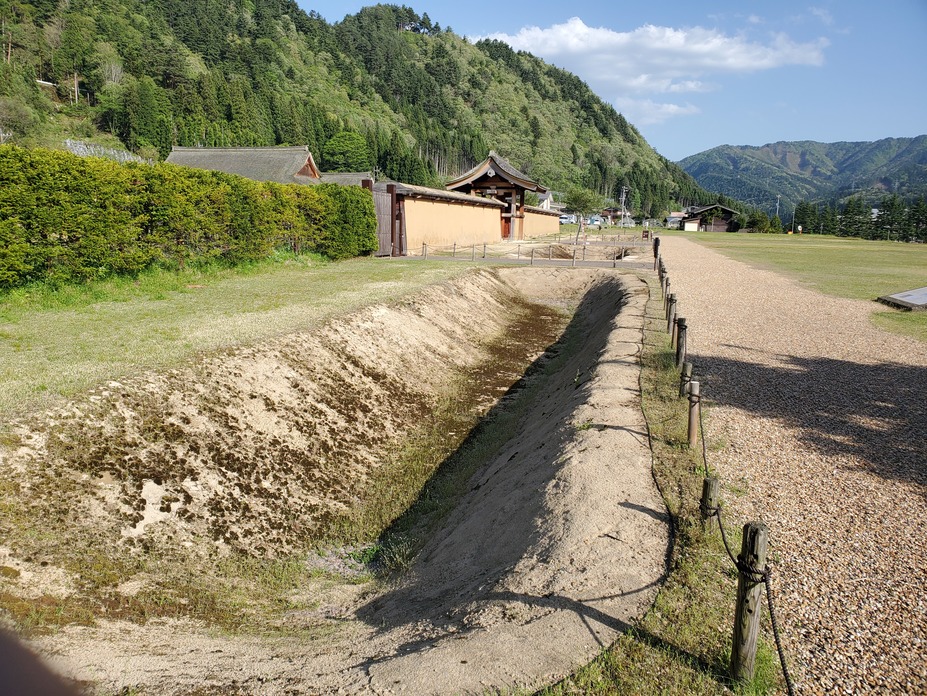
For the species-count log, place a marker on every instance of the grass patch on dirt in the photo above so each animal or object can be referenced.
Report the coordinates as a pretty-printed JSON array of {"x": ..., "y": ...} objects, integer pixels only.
[
  {"x": 163, "y": 318},
  {"x": 858, "y": 269},
  {"x": 683, "y": 644},
  {"x": 235, "y": 593}
]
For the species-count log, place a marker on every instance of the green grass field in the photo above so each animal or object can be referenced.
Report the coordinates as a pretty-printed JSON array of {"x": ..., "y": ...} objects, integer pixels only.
[
  {"x": 56, "y": 343},
  {"x": 855, "y": 268}
]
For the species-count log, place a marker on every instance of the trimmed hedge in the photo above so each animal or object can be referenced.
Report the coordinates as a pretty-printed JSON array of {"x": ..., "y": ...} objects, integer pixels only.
[{"x": 66, "y": 219}]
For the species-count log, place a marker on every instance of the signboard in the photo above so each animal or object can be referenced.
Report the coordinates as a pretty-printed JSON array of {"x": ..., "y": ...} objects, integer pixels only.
[{"x": 911, "y": 299}]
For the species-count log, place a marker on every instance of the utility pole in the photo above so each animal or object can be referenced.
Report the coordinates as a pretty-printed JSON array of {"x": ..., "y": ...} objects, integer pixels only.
[
  {"x": 778, "y": 196},
  {"x": 624, "y": 193}
]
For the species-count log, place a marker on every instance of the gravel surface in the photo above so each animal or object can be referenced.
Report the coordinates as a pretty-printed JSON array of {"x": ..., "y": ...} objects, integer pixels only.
[{"x": 817, "y": 426}]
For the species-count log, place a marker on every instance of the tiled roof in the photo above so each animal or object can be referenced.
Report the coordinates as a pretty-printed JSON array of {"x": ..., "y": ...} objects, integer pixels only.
[
  {"x": 285, "y": 165},
  {"x": 500, "y": 166},
  {"x": 439, "y": 194}
]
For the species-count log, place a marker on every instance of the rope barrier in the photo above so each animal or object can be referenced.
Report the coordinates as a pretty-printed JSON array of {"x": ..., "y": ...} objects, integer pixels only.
[
  {"x": 757, "y": 575},
  {"x": 754, "y": 575},
  {"x": 701, "y": 427}
]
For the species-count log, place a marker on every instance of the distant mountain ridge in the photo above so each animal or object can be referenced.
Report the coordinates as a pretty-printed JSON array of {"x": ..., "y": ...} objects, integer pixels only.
[{"x": 813, "y": 171}]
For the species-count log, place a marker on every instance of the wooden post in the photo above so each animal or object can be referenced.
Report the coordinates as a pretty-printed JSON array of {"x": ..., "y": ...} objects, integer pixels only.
[
  {"x": 550, "y": 251},
  {"x": 484, "y": 250},
  {"x": 711, "y": 488},
  {"x": 681, "y": 329},
  {"x": 532, "y": 256},
  {"x": 394, "y": 219},
  {"x": 454, "y": 254},
  {"x": 518, "y": 253},
  {"x": 695, "y": 406},
  {"x": 685, "y": 376},
  {"x": 574, "y": 256},
  {"x": 666, "y": 292},
  {"x": 749, "y": 594},
  {"x": 584, "y": 251},
  {"x": 670, "y": 312},
  {"x": 473, "y": 253},
  {"x": 424, "y": 251}
]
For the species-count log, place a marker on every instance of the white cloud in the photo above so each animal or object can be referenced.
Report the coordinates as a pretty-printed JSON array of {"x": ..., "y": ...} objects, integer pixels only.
[
  {"x": 646, "y": 112},
  {"x": 651, "y": 60},
  {"x": 824, "y": 15}
]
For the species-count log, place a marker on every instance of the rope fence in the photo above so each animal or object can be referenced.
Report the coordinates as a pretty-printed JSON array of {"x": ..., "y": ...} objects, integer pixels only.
[
  {"x": 603, "y": 251},
  {"x": 753, "y": 569}
]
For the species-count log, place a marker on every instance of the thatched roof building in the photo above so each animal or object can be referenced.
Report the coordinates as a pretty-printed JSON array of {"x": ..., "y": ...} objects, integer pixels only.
[{"x": 284, "y": 165}]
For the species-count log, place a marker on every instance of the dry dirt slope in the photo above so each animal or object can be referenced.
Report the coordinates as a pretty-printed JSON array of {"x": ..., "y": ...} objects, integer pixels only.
[{"x": 560, "y": 542}]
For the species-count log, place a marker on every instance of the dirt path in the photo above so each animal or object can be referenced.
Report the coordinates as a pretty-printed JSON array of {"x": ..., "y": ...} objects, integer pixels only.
[
  {"x": 822, "y": 418},
  {"x": 560, "y": 544}
]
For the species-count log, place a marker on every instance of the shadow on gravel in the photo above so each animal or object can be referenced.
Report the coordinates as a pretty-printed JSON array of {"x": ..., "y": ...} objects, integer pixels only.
[
  {"x": 877, "y": 413},
  {"x": 497, "y": 521}
]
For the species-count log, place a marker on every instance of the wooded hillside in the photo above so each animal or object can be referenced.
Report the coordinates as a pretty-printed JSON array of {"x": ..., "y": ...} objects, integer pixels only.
[
  {"x": 813, "y": 171},
  {"x": 428, "y": 104}
]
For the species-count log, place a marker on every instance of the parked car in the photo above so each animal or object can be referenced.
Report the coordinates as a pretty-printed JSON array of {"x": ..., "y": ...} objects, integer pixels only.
[
  {"x": 595, "y": 221},
  {"x": 567, "y": 219}
]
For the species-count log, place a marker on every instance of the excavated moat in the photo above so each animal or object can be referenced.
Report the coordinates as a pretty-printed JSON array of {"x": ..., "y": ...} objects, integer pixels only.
[
  {"x": 559, "y": 540},
  {"x": 259, "y": 450}
]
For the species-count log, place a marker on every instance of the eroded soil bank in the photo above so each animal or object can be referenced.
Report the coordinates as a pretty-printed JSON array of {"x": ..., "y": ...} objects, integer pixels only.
[{"x": 559, "y": 543}]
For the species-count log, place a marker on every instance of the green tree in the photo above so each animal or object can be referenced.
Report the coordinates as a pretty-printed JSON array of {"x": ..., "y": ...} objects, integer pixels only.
[
  {"x": 636, "y": 208},
  {"x": 855, "y": 220},
  {"x": 918, "y": 216},
  {"x": 16, "y": 119},
  {"x": 758, "y": 221},
  {"x": 828, "y": 220},
  {"x": 346, "y": 152},
  {"x": 583, "y": 202},
  {"x": 890, "y": 222},
  {"x": 806, "y": 217},
  {"x": 76, "y": 48}
]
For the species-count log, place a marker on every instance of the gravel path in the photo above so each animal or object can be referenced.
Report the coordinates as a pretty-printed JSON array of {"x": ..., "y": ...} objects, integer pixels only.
[{"x": 821, "y": 421}]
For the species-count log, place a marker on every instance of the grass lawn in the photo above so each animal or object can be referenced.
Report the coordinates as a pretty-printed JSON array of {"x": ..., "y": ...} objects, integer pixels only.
[
  {"x": 845, "y": 267},
  {"x": 56, "y": 343}
]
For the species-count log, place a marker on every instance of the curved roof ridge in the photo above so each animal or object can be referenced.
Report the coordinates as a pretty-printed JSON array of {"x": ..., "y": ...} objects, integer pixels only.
[{"x": 501, "y": 166}]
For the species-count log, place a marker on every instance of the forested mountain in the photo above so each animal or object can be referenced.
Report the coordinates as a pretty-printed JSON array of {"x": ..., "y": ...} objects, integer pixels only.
[
  {"x": 812, "y": 171},
  {"x": 428, "y": 104}
]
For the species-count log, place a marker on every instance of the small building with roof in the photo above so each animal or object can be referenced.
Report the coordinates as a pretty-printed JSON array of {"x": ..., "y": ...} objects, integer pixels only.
[
  {"x": 709, "y": 218},
  {"x": 496, "y": 178},
  {"x": 410, "y": 216},
  {"x": 281, "y": 164}
]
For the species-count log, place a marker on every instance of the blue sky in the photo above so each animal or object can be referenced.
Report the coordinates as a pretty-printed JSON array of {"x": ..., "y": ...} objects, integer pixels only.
[{"x": 694, "y": 75}]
